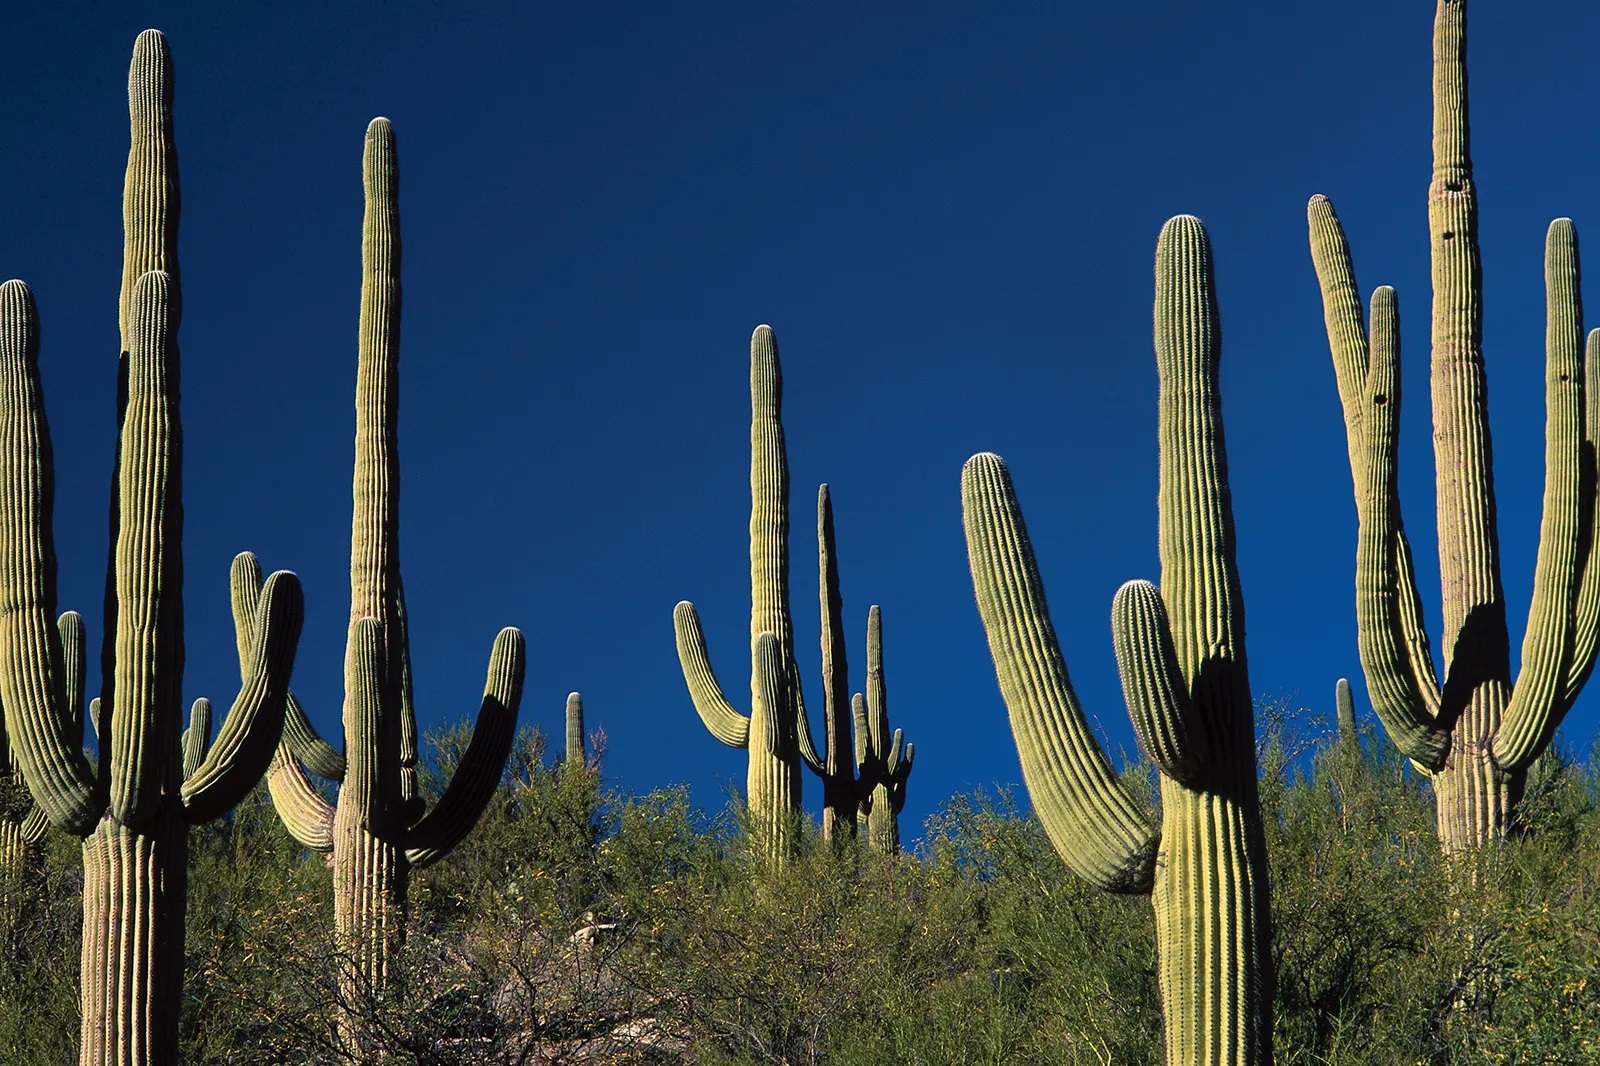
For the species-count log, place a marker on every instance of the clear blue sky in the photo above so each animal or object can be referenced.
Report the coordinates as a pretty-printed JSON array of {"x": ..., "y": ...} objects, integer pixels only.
[{"x": 949, "y": 218}]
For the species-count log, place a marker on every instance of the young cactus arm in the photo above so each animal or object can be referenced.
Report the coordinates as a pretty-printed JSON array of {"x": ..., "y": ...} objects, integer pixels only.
[
  {"x": 1390, "y": 680},
  {"x": 1164, "y": 723},
  {"x": 244, "y": 746},
  {"x": 149, "y": 633},
  {"x": 575, "y": 735},
  {"x": 304, "y": 813},
  {"x": 1347, "y": 340},
  {"x": 473, "y": 784},
  {"x": 1090, "y": 817},
  {"x": 1586, "y": 620},
  {"x": 1344, "y": 708},
  {"x": 197, "y": 738},
  {"x": 32, "y": 680},
  {"x": 901, "y": 758},
  {"x": 1538, "y": 700},
  {"x": 244, "y": 587},
  {"x": 724, "y": 723},
  {"x": 74, "y": 657},
  {"x": 863, "y": 742}
]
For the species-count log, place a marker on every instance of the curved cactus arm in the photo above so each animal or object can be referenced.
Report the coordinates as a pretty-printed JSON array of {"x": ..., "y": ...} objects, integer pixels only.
[
  {"x": 1586, "y": 619},
  {"x": 197, "y": 738},
  {"x": 1344, "y": 709},
  {"x": 302, "y": 810},
  {"x": 1538, "y": 700},
  {"x": 149, "y": 562},
  {"x": 32, "y": 674},
  {"x": 34, "y": 825},
  {"x": 1390, "y": 681},
  {"x": 575, "y": 735},
  {"x": 478, "y": 775},
  {"x": 250, "y": 733},
  {"x": 724, "y": 723},
  {"x": 244, "y": 588},
  {"x": 1164, "y": 723},
  {"x": 1092, "y": 820},
  {"x": 1348, "y": 341},
  {"x": 74, "y": 658}
]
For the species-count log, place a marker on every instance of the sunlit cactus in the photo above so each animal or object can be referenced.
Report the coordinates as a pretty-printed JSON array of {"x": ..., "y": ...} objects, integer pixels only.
[
  {"x": 1180, "y": 652},
  {"x": 575, "y": 736},
  {"x": 1476, "y": 732},
  {"x": 22, "y": 821},
  {"x": 377, "y": 829},
  {"x": 134, "y": 811},
  {"x": 771, "y": 732}
]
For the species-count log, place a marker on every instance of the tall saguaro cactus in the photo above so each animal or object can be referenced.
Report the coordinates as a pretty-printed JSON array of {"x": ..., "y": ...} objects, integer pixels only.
[
  {"x": 866, "y": 779},
  {"x": 1180, "y": 652},
  {"x": 377, "y": 829},
  {"x": 134, "y": 813},
  {"x": 1478, "y": 732},
  {"x": 773, "y": 730}
]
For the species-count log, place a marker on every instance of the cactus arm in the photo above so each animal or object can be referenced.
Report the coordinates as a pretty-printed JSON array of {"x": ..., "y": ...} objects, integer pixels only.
[
  {"x": 575, "y": 735},
  {"x": 149, "y": 562},
  {"x": 399, "y": 639},
  {"x": 31, "y": 672},
  {"x": 1349, "y": 344},
  {"x": 473, "y": 784},
  {"x": 772, "y": 781},
  {"x": 1390, "y": 681},
  {"x": 1089, "y": 816},
  {"x": 150, "y": 201},
  {"x": 1344, "y": 709},
  {"x": 1164, "y": 724},
  {"x": 73, "y": 669},
  {"x": 304, "y": 813},
  {"x": 254, "y": 725},
  {"x": 723, "y": 722},
  {"x": 863, "y": 741},
  {"x": 1538, "y": 700},
  {"x": 97, "y": 717},
  {"x": 34, "y": 824},
  {"x": 197, "y": 738},
  {"x": 1586, "y": 620},
  {"x": 244, "y": 587}
]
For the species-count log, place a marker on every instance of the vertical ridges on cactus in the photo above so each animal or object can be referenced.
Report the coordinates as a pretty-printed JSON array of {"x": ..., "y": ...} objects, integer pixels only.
[
  {"x": 1181, "y": 655},
  {"x": 1478, "y": 732},
  {"x": 883, "y": 759},
  {"x": 379, "y": 828},
  {"x": 575, "y": 755}
]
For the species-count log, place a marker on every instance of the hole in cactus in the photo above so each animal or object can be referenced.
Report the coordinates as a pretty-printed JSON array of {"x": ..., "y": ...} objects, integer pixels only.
[
  {"x": 1564, "y": 377},
  {"x": 1448, "y": 236},
  {"x": 1454, "y": 186},
  {"x": 1379, "y": 400}
]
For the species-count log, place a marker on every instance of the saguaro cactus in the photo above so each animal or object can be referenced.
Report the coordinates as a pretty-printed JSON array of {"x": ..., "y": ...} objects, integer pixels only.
[
  {"x": 1477, "y": 733},
  {"x": 1180, "y": 652},
  {"x": 867, "y": 779},
  {"x": 575, "y": 736},
  {"x": 377, "y": 829},
  {"x": 134, "y": 814},
  {"x": 772, "y": 731},
  {"x": 22, "y": 821}
]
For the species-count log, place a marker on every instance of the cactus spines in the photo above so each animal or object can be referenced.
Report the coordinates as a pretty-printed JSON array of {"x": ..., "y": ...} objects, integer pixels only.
[
  {"x": 1181, "y": 656},
  {"x": 1477, "y": 733},
  {"x": 135, "y": 813},
  {"x": 378, "y": 829},
  {"x": 575, "y": 736},
  {"x": 769, "y": 613}
]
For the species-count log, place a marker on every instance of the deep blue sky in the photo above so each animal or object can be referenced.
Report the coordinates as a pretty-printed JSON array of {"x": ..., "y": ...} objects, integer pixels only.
[{"x": 948, "y": 216}]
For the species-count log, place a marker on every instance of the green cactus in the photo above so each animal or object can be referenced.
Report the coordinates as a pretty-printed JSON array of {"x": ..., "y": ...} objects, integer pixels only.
[
  {"x": 378, "y": 830},
  {"x": 866, "y": 779},
  {"x": 135, "y": 812},
  {"x": 1477, "y": 733},
  {"x": 883, "y": 761},
  {"x": 22, "y": 821},
  {"x": 575, "y": 735},
  {"x": 772, "y": 731},
  {"x": 1180, "y": 652},
  {"x": 1345, "y": 713}
]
